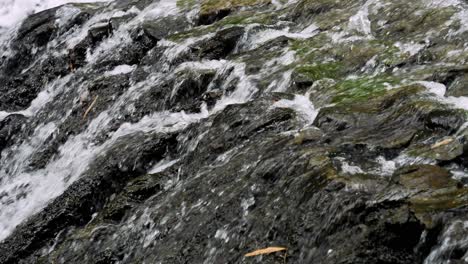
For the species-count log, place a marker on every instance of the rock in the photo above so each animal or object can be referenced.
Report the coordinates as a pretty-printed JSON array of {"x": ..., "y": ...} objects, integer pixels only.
[
  {"x": 423, "y": 177},
  {"x": 214, "y": 10},
  {"x": 222, "y": 44},
  {"x": 99, "y": 32},
  {"x": 86, "y": 196},
  {"x": 9, "y": 127},
  {"x": 307, "y": 134},
  {"x": 191, "y": 85},
  {"x": 311, "y": 7},
  {"x": 160, "y": 28},
  {"x": 38, "y": 28},
  {"x": 455, "y": 80}
]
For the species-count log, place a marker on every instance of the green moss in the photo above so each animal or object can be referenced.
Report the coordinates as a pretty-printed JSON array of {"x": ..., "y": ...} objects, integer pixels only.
[
  {"x": 195, "y": 32},
  {"x": 248, "y": 17},
  {"x": 335, "y": 17},
  {"x": 86, "y": 231},
  {"x": 243, "y": 18},
  {"x": 363, "y": 88},
  {"x": 387, "y": 53},
  {"x": 308, "y": 48},
  {"x": 316, "y": 72},
  {"x": 314, "y": 7},
  {"x": 186, "y": 4},
  {"x": 390, "y": 58},
  {"x": 434, "y": 189},
  {"x": 213, "y": 6},
  {"x": 406, "y": 19},
  {"x": 256, "y": 59},
  {"x": 451, "y": 198},
  {"x": 351, "y": 57}
]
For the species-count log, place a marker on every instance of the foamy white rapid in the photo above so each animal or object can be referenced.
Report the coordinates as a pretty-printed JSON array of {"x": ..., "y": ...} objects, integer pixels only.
[
  {"x": 13, "y": 11},
  {"x": 37, "y": 187}
]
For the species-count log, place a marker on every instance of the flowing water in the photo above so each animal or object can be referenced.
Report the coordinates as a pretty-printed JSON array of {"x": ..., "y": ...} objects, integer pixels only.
[
  {"x": 25, "y": 189},
  {"x": 24, "y": 192}
]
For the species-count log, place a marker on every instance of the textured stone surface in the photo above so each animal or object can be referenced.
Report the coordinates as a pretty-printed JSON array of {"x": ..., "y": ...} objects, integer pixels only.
[{"x": 197, "y": 131}]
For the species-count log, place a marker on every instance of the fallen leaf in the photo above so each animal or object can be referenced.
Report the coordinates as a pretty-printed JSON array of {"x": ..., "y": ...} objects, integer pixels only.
[
  {"x": 264, "y": 251},
  {"x": 442, "y": 143},
  {"x": 90, "y": 107}
]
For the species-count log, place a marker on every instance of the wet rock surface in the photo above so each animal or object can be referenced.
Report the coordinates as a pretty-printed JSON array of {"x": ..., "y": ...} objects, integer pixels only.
[{"x": 196, "y": 131}]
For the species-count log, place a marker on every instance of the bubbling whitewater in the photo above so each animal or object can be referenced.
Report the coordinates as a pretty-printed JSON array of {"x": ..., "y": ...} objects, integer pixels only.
[
  {"x": 13, "y": 11},
  {"x": 36, "y": 188}
]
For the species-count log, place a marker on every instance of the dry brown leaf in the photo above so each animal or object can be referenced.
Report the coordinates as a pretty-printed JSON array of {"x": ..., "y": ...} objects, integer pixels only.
[
  {"x": 90, "y": 107},
  {"x": 264, "y": 251},
  {"x": 442, "y": 143}
]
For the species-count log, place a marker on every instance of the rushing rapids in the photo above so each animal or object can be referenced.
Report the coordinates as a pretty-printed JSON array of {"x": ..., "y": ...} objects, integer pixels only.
[{"x": 195, "y": 131}]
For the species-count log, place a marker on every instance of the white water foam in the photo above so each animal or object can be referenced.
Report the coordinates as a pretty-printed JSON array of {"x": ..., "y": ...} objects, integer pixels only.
[
  {"x": 162, "y": 165},
  {"x": 121, "y": 69},
  {"x": 255, "y": 38},
  {"x": 409, "y": 48},
  {"x": 302, "y": 106},
  {"x": 14, "y": 11},
  {"x": 460, "y": 16},
  {"x": 38, "y": 187},
  {"x": 360, "y": 21},
  {"x": 440, "y": 89},
  {"x": 455, "y": 237}
]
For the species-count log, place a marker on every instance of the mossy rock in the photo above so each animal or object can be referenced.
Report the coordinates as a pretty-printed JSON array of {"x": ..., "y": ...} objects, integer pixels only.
[
  {"x": 213, "y": 10},
  {"x": 424, "y": 177},
  {"x": 441, "y": 201},
  {"x": 248, "y": 17},
  {"x": 363, "y": 88},
  {"x": 209, "y": 6},
  {"x": 350, "y": 58},
  {"x": 315, "y": 7},
  {"x": 244, "y": 17},
  {"x": 375, "y": 105},
  {"x": 307, "y": 134},
  {"x": 306, "y": 75},
  {"x": 389, "y": 120},
  {"x": 187, "y": 4},
  {"x": 144, "y": 187},
  {"x": 307, "y": 49},
  {"x": 434, "y": 189},
  {"x": 404, "y": 19},
  {"x": 445, "y": 149},
  {"x": 117, "y": 209}
]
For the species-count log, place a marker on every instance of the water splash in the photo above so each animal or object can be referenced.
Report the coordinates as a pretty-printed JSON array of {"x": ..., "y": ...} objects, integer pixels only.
[
  {"x": 302, "y": 105},
  {"x": 455, "y": 237},
  {"x": 14, "y": 11}
]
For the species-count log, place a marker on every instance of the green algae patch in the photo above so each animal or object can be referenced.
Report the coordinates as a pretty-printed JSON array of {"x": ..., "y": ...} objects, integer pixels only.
[
  {"x": 320, "y": 71},
  {"x": 445, "y": 150},
  {"x": 351, "y": 57},
  {"x": 192, "y": 33},
  {"x": 387, "y": 53},
  {"x": 312, "y": 48},
  {"x": 434, "y": 189},
  {"x": 315, "y": 7},
  {"x": 406, "y": 20},
  {"x": 248, "y": 17},
  {"x": 446, "y": 199},
  {"x": 363, "y": 88},
  {"x": 242, "y": 18},
  {"x": 186, "y": 4},
  {"x": 424, "y": 177},
  {"x": 214, "y": 6}
]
